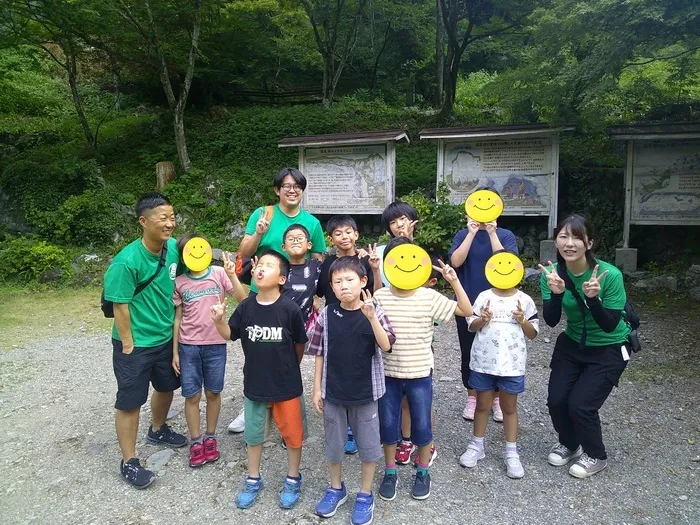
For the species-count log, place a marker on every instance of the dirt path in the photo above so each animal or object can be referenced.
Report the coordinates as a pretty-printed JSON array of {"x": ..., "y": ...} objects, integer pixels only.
[{"x": 59, "y": 454}]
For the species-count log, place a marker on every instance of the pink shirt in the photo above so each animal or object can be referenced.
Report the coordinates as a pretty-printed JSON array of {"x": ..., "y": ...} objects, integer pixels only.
[{"x": 196, "y": 295}]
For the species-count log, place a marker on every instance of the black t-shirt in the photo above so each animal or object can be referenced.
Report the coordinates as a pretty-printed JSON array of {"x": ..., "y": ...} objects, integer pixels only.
[
  {"x": 301, "y": 284},
  {"x": 349, "y": 359},
  {"x": 324, "y": 288},
  {"x": 268, "y": 334}
]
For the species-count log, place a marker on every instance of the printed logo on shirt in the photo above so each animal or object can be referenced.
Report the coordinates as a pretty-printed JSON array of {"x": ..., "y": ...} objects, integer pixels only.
[
  {"x": 192, "y": 295},
  {"x": 264, "y": 334},
  {"x": 299, "y": 287},
  {"x": 173, "y": 271}
]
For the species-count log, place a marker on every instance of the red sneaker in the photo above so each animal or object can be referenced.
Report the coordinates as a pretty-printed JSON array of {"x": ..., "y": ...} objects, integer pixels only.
[
  {"x": 404, "y": 451},
  {"x": 211, "y": 453},
  {"x": 197, "y": 455},
  {"x": 433, "y": 455}
]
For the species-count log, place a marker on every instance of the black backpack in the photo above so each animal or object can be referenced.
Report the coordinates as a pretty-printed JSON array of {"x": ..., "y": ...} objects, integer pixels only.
[{"x": 108, "y": 306}]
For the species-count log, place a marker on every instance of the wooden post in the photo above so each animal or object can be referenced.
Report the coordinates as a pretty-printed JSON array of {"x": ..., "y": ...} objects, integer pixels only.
[
  {"x": 629, "y": 167},
  {"x": 165, "y": 173}
]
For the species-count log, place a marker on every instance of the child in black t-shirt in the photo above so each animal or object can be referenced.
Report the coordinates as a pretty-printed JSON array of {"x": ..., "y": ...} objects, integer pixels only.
[
  {"x": 348, "y": 340},
  {"x": 303, "y": 271},
  {"x": 271, "y": 329}
]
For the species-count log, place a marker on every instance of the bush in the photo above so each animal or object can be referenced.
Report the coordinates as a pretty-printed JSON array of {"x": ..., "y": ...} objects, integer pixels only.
[{"x": 28, "y": 260}]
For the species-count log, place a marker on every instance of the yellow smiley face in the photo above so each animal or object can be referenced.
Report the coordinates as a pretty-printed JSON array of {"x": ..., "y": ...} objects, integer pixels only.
[
  {"x": 504, "y": 270},
  {"x": 197, "y": 254},
  {"x": 484, "y": 206},
  {"x": 407, "y": 267}
]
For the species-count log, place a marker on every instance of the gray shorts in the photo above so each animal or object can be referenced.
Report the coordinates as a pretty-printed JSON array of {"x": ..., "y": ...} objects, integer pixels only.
[{"x": 364, "y": 421}]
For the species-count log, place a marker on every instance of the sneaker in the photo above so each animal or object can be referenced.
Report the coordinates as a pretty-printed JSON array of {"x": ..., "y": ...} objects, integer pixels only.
[
  {"x": 137, "y": 476},
  {"x": 211, "y": 451},
  {"x": 351, "y": 445},
  {"x": 433, "y": 455},
  {"x": 237, "y": 425},
  {"x": 514, "y": 469},
  {"x": 284, "y": 444},
  {"x": 332, "y": 499},
  {"x": 497, "y": 412},
  {"x": 387, "y": 490},
  {"x": 290, "y": 492},
  {"x": 165, "y": 435},
  {"x": 197, "y": 456},
  {"x": 421, "y": 486},
  {"x": 404, "y": 452},
  {"x": 586, "y": 466},
  {"x": 363, "y": 513},
  {"x": 469, "y": 408},
  {"x": 247, "y": 496},
  {"x": 560, "y": 455},
  {"x": 473, "y": 454}
]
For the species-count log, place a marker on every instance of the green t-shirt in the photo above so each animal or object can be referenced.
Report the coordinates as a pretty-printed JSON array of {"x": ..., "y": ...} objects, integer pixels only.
[
  {"x": 612, "y": 295},
  {"x": 152, "y": 311},
  {"x": 272, "y": 240}
]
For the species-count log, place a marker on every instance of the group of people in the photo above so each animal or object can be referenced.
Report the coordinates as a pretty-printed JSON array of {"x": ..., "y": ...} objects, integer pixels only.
[{"x": 372, "y": 343}]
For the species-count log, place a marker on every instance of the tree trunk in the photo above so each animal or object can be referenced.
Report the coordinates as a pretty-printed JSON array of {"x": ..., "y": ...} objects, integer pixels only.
[
  {"x": 451, "y": 72},
  {"x": 181, "y": 142},
  {"x": 327, "y": 75},
  {"x": 439, "y": 56},
  {"x": 71, "y": 69},
  {"x": 165, "y": 173}
]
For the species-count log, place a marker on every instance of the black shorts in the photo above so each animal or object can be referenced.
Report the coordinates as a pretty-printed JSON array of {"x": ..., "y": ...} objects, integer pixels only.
[{"x": 135, "y": 370}]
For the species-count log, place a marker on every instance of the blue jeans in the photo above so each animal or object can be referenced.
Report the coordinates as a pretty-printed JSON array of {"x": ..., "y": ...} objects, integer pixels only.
[
  {"x": 484, "y": 382},
  {"x": 419, "y": 393},
  {"x": 202, "y": 365}
]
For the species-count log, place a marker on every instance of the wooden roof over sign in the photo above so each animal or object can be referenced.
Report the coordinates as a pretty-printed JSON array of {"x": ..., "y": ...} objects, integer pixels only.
[
  {"x": 494, "y": 131},
  {"x": 364, "y": 137},
  {"x": 669, "y": 131}
]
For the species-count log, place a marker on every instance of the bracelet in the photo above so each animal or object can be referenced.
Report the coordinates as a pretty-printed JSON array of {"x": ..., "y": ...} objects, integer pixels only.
[{"x": 522, "y": 322}]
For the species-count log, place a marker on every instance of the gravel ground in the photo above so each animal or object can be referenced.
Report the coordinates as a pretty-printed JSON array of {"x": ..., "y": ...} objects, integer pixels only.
[{"x": 59, "y": 453}]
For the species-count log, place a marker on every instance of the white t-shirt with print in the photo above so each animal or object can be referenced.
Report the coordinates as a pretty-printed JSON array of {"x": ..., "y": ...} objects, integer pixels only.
[{"x": 499, "y": 347}]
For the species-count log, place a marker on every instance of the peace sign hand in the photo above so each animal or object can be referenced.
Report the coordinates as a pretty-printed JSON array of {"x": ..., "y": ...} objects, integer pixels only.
[
  {"x": 554, "y": 282},
  {"x": 262, "y": 225},
  {"x": 374, "y": 261},
  {"x": 591, "y": 288},
  {"x": 229, "y": 265},
  {"x": 218, "y": 310},
  {"x": 519, "y": 314},
  {"x": 486, "y": 313},
  {"x": 368, "y": 305},
  {"x": 448, "y": 273}
]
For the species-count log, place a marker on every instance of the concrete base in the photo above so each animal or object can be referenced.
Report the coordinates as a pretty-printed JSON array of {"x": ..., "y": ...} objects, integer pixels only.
[
  {"x": 548, "y": 251},
  {"x": 626, "y": 259}
]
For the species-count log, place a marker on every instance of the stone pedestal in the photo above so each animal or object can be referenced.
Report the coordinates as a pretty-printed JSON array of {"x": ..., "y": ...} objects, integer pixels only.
[
  {"x": 548, "y": 251},
  {"x": 626, "y": 259}
]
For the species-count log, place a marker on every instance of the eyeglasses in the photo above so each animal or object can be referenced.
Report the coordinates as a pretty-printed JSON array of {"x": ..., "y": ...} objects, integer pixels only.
[
  {"x": 290, "y": 187},
  {"x": 295, "y": 240}
]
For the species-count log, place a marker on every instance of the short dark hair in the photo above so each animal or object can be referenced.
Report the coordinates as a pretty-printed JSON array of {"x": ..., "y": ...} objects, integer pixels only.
[
  {"x": 339, "y": 221},
  {"x": 580, "y": 227},
  {"x": 393, "y": 243},
  {"x": 293, "y": 227},
  {"x": 284, "y": 264},
  {"x": 296, "y": 175},
  {"x": 150, "y": 201},
  {"x": 185, "y": 238},
  {"x": 395, "y": 210},
  {"x": 349, "y": 263},
  {"x": 434, "y": 274}
]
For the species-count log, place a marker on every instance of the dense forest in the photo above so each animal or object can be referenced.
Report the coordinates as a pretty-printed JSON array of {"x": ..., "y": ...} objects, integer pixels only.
[{"x": 93, "y": 93}]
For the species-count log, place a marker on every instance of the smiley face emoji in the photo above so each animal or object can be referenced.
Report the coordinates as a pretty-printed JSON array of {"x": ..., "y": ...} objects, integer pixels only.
[
  {"x": 197, "y": 254},
  {"x": 504, "y": 270},
  {"x": 407, "y": 267},
  {"x": 484, "y": 206}
]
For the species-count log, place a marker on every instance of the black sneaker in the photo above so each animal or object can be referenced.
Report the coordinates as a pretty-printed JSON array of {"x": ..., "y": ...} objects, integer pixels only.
[
  {"x": 136, "y": 475},
  {"x": 165, "y": 435},
  {"x": 421, "y": 486},
  {"x": 387, "y": 490}
]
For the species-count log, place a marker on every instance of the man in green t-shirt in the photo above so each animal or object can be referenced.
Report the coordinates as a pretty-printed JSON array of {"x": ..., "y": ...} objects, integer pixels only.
[{"x": 143, "y": 331}]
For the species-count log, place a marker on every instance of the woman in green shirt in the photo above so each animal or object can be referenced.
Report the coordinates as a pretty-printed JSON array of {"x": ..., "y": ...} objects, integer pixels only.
[{"x": 591, "y": 354}]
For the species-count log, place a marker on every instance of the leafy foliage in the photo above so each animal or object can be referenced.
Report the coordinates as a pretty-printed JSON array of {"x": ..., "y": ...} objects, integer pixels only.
[{"x": 27, "y": 260}]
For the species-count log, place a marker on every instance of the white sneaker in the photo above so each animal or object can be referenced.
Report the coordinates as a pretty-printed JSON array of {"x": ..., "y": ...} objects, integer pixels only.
[
  {"x": 238, "y": 424},
  {"x": 586, "y": 466},
  {"x": 471, "y": 455},
  {"x": 560, "y": 455},
  {"x": 514, "y": 469}
]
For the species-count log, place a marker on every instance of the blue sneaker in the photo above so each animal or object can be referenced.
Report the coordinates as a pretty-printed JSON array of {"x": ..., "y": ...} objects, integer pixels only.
[
  {"x": 247, "y": 496},
  {"x": 290, "y": 492},
  {"x": 332, "y": 499},
  {"x": 350, "y": 445},
  {"x": 363, "y": 513}
]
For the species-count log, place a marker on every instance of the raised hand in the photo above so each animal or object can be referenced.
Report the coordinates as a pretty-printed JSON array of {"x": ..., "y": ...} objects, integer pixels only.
[
  {"x": 472, "y": 226},
  {"x": 591, "y": 288},
  {"x": 362, "y": 253},
  {"x": 555, "y": 283},
  {"x": 374, "y": 261},
  {"x": 486, "y": 313},
  {"x": 218, "y": 310},
  {"x": 229, "y": 264},
  {"x": 519, "y": 314},
  {"x": 447, "y": 272},
  {"x": 262, "y": 225},
  {"x": 491, "y": 227},
  {"x": 411, "y": 229},
  {"x": 368, "y": 305}
]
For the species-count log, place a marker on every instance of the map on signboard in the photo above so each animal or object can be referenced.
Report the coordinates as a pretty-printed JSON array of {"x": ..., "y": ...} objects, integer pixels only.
[
  {"x": 666, "y": 181},
  {"x": 347, "y": 179},
  {"x": 519, "y": 169}
]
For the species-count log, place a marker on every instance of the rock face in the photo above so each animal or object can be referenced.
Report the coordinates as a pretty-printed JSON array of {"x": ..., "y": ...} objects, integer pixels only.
[
  {"x": 662, "y": 283},
  {"x": 692, "y": 276}
]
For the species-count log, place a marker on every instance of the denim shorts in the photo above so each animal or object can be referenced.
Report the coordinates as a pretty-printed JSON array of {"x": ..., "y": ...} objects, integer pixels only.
[
  {"x": 419, "y": 393},
  {"x": 202, "y": 365},
  {"x": 484, "y": 382}
]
